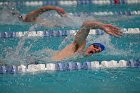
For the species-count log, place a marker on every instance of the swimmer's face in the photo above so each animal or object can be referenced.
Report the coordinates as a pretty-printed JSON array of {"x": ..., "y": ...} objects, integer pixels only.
[{"x": 92, "y": 49}]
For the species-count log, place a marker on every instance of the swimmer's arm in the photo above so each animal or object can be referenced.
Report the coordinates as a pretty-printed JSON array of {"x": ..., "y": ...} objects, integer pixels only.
[
  {"x": 30, "y": 17},
  {"x": 82, "y": 34}
]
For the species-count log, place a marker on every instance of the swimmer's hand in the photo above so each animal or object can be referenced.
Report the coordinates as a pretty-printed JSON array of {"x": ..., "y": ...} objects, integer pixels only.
[
  {"x": 60, "y": 11},
  {"x": 112, "y": 30}
]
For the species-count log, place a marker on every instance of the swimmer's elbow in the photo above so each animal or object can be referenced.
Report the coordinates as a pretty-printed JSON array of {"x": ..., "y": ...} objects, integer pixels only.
[
  {"x": 28, "y": 19},
  {"x": 92, "y": 24}
]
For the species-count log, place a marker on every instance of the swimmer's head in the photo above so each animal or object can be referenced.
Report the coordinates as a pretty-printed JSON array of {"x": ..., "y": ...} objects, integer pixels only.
[
  {"x": 16, "y": 14},
  {"x": 20, "y": 18},
  {"x": 94, "y": 48}
]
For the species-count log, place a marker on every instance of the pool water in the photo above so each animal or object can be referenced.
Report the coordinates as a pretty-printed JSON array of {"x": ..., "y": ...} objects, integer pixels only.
[
  {"x": 113, "y": 80},
  {"x": 91, "y": 81}
]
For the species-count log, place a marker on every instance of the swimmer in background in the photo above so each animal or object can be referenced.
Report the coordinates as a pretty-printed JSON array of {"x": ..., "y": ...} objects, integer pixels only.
[
  {"x": 33, "y": 16},
  {"x": 78, "y": 45}
]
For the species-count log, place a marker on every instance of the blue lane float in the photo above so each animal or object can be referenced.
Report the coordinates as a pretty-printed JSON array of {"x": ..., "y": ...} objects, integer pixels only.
[
  {"x": 67, "y": 66},
  {"x": 11, "y": 69},
  {"x": 58, "y": 33}
]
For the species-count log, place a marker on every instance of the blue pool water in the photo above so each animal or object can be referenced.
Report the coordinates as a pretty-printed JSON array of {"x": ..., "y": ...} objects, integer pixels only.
[
  {"x": 113, "y": 80},
  {"x": 95, "y": 81}
]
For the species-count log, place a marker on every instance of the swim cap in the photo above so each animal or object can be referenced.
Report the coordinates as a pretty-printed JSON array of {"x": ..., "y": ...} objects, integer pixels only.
[{"x": 100, "y": 45}]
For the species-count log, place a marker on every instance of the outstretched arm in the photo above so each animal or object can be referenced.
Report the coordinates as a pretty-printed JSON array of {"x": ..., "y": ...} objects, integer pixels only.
[
  {"x": 82, "y": 34},
  {"x": 32, "y": 16}
]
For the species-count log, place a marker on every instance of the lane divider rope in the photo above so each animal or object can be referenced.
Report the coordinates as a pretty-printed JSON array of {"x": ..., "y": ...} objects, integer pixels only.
[
  {"x": 62, "y": 66},
  {"x": 107, "y": 13},
  {"x": 72, "y": 2},
  {"x": 56, "y": 33}
]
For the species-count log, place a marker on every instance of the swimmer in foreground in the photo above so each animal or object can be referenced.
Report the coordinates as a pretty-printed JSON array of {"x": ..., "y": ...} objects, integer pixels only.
[
  {"x": 34, "y": 15},
  {"x": 78, "y": 45}
]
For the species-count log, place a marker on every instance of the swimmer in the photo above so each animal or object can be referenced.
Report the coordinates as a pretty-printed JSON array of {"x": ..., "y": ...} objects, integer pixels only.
[
  {"x": 33, "y": 15},
  {"x": 78, "y": 45}
]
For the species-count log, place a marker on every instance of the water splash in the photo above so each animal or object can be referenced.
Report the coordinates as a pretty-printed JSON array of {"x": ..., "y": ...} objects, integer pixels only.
[
  {"x": 20, "y": 55},
  {"x": 6, "y": 16},
  {"x": 67, "y": 40}
]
